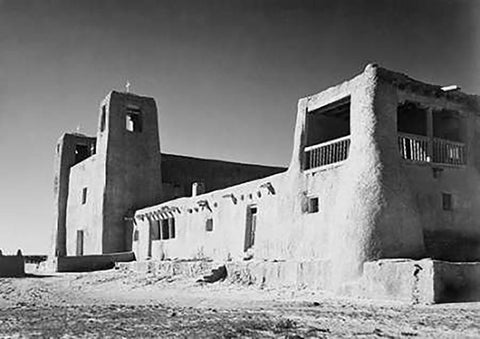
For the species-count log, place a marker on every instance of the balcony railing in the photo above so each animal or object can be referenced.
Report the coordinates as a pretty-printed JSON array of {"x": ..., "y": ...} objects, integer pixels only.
[
  {"x": 448, "y": 152},
  {"x": 327, "y": 153},
  {"x": 413, "y": 147},
  {"x": 440, "y": 151}
]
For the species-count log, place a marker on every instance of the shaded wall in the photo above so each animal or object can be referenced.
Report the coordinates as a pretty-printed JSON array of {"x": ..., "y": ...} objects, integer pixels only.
[
  {"x": 133, "y": 167},
  {"x": 449, "y": 234},
  {"x": 182, "y": 171}
]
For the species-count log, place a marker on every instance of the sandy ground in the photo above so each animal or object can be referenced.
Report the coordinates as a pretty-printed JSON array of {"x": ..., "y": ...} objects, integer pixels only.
[{"x": 114, "y": 304}]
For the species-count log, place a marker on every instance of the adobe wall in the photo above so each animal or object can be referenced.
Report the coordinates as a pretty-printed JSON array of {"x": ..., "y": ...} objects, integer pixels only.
[
  {"x": 182, "y": 171},
  {"x": 366, "y": 206},
  {"x": 64, "y": 159},
  {"x": 133, "y": 167},
  {"x": 368, "y": 210},
  {"x": 228, "y": 213},
  {"x": 449, "y": 234},
  {"x": 87, "y": 217},
  {"x": 372, "y": 205}
]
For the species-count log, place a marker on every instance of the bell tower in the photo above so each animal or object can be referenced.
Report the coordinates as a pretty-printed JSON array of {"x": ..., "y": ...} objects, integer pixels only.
[{"x": 128, "y": 150}]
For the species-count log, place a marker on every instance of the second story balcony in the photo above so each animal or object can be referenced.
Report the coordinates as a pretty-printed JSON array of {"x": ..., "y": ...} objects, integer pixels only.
[
  {"x": 431, "y": 135},
  {"x": 420, "y": 148},
  {"x": 326, "y": 153}
]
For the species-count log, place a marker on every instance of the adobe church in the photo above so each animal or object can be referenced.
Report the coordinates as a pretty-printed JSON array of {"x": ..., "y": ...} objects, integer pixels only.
[{"x": 383, "y": 166}]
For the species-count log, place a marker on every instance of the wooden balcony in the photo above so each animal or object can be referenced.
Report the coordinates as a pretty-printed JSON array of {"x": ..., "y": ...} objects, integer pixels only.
[
  {"x": 438, "y": 151},
  {"x": 327, "y": 153}
]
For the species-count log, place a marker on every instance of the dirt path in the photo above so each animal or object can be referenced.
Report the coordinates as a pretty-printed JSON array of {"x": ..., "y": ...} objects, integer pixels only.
[{"x": 113, "y": 304}]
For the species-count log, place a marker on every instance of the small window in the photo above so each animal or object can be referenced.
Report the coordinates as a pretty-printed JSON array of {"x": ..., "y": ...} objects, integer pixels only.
[
  {"x": 447, "y": 202},
  {"x": 135, "y": 235},
  {"x": 313, "y": 206},
  {"x": 209, "y": 225},
  {"x": 102, "y": 118},
  {"x": 84, "y": 195},
  {"x": 133, "y": 120}
]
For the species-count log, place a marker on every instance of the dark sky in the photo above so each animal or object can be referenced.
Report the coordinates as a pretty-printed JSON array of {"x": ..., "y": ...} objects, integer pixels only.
[{"x": 226, "y": 75}]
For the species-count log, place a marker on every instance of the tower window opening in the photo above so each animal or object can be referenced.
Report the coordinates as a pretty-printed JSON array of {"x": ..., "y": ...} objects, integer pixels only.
[
  {"x": 133, "y": 120},
  {"x": 81, "y": 152}
]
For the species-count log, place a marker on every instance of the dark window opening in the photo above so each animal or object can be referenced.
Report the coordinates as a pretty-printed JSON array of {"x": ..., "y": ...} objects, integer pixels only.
[
  {"x": 328, "y": 122},
  {"x": 133, "y": 120},
  {"x": 79, "y": 249},
  {"x": 84, "y": 195},
  {"x": 209, "y": 225},
  {"x": 165, "y": 231},
  {"x": 103, "y": 118},
  {"x": 412, "y": 118},
  {"x": 313, "y": 205},
  {"x": 447, "y": 124},
  {"x": 447, "y": 202},
  {"x": 135, "y": 235},
  {"x": 172, "y": 228},
  {"x": 81, "y": 152},
  {"x": 251, "y": 227},
  {"x": 155, "y": 229}
]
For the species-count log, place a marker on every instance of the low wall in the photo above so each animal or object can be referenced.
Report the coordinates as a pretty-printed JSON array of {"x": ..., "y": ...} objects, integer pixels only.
[
  {"x": 424, "y": 281},
  {"x": 186, "y": 268},
  {"x": 12, "y": 266},
  {"x": 87, "y": 263},
  {"x": 296, "y": 274},
  {"x": 395, "y": 279}
]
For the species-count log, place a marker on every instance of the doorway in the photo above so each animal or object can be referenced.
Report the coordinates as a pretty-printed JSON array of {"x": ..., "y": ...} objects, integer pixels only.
[
  {"x": 79, "y": 251},
  {"x": 250, "y": 227}
]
